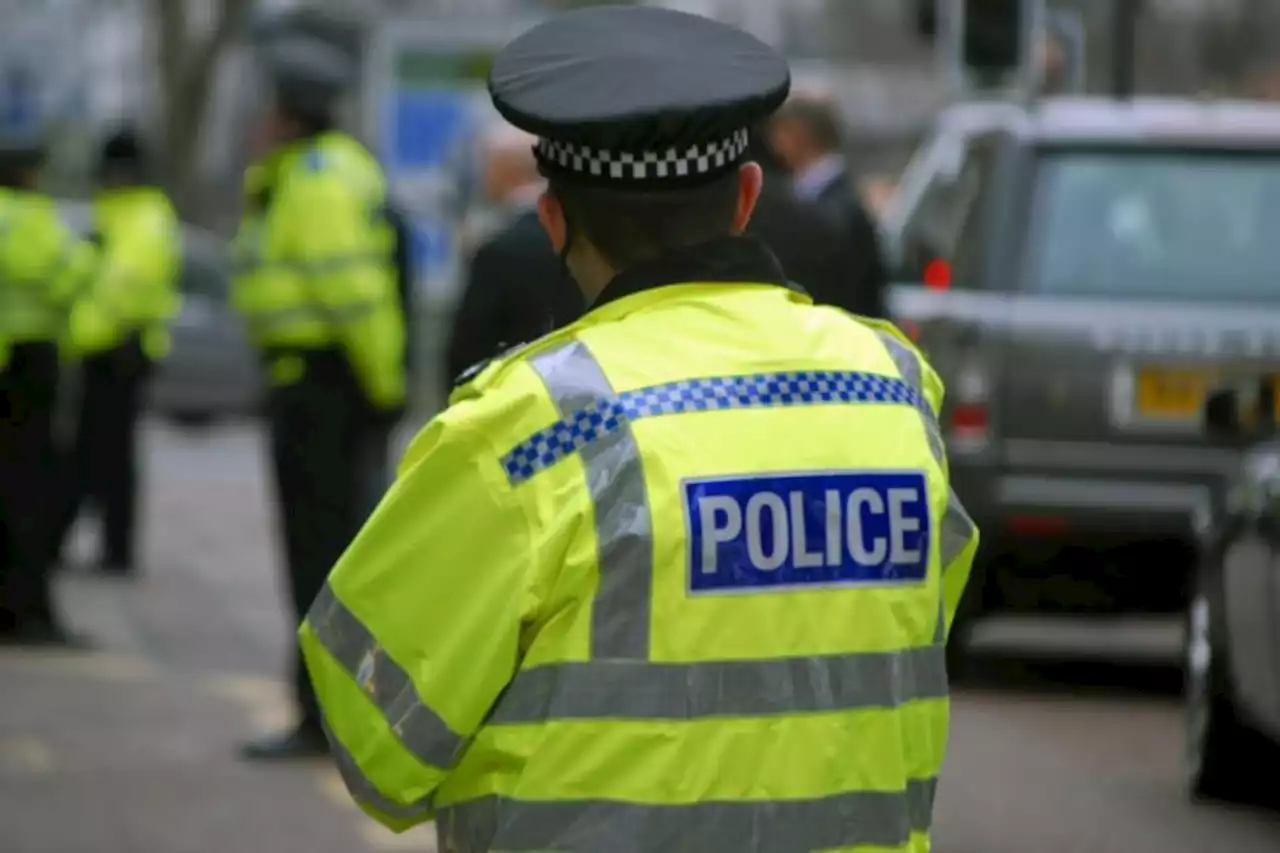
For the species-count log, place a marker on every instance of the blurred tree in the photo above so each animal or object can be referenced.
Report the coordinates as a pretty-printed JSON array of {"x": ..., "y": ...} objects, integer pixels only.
[{"x": 188, "y": 59}]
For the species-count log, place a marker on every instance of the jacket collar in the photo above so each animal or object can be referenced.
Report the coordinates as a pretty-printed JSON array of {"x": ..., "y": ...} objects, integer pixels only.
[{"x": 721, "y": 260}]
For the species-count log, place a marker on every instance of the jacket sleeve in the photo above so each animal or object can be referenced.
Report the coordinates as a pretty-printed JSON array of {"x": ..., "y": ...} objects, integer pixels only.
[
  {"x": 325, "y": 232},
  {"x": 58, "y": 257},
  {"x": 134, "y": 284},
  {"x": 417, "y": 630},
  {"x": 958, "y": 537}
]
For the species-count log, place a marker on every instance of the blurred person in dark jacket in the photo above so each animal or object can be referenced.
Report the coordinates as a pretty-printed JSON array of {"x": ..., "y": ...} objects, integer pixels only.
[
  {"x": 807, "y": 136},
  {"x": 516, "y": 288},
  {"x": 814, "y": 251}
]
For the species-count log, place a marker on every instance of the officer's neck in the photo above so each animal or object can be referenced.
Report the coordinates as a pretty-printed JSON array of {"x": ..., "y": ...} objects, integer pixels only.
[{"x": 591, "y": 272}]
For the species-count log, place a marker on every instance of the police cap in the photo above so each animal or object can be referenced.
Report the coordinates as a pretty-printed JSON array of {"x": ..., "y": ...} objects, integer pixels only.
[
  {"x": 638, "y": 97},
  {"x": 309, "y": 74}
]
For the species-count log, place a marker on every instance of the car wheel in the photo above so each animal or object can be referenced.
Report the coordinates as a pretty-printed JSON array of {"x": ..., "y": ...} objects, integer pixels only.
[{"x": 1221, "y": 746}]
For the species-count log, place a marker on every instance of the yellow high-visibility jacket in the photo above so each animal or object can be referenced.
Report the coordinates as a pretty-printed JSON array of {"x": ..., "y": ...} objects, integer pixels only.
[
  {"x": 315, "y": 265},
  {"x": 135, "y": 288},
  {"x": 676, "y": 577},
  {"x": 43, "y": 269}
]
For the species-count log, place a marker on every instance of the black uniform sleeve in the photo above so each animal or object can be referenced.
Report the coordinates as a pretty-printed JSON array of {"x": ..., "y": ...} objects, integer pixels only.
[
  {"x": 477, "y": 329},
  {"x": 871, "y": 278}
]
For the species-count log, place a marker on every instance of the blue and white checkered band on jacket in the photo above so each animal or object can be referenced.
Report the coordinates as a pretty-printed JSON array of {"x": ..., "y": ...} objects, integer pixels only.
[{"x": 704, "y": 160}]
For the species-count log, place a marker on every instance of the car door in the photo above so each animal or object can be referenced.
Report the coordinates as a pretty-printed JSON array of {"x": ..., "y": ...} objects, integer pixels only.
[
  {"x": 952, "y": 243},
  {"x": 211, "y": 370},
  {"x": 931, "y": 230}
]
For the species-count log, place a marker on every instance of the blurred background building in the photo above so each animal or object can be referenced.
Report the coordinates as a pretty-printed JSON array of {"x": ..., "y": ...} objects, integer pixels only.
[{"x": 116, "y": 59}]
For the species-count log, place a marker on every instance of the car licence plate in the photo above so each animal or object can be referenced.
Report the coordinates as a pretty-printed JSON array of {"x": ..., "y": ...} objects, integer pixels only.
[{"x": 1172, "y": 393}]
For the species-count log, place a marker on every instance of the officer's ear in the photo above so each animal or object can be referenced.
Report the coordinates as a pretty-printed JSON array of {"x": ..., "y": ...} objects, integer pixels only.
[
  {"x": 750, "y": 182},
  {"x": 551, "y": 217}
]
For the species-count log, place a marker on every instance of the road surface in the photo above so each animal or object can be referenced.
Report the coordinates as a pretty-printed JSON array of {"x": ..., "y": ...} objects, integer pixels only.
[{"x": 132, "y": 749}]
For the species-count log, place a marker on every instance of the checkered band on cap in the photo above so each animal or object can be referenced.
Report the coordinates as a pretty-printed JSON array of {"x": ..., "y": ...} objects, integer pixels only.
[{"x": 674, "y": 163}]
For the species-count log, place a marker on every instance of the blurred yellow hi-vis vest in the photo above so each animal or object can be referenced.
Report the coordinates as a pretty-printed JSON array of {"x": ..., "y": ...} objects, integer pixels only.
[
  {"x": 135, "y": 287},
  {"x": 314, "y": 264},
  {"x": 664, "y": 580},
  {"x": 43, "y": 269}
]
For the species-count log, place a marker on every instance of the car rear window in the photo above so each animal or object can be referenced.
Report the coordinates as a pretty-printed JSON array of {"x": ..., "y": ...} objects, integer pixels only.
[{"x": 1160, "y": 223}]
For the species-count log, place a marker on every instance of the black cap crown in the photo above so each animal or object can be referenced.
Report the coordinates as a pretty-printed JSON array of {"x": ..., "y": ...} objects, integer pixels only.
[
  {"x": 309, "y": 73},
  {"x": 638, "y": 96}
]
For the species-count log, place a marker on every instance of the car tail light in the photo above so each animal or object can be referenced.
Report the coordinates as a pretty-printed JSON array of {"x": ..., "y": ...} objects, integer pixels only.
[
  {"x": 937, "y": 274},
  {"x": 1038, "y": 525},
  {"x": 968, "y": 418}
]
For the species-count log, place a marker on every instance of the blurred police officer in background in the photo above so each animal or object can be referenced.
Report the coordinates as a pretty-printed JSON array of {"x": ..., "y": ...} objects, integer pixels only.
[
  {"x": 679, "y": 575},
  {"x": 807, "y": 136},
  {"x": 317, "y": 285},
  {"x": 43, "y": 267},
  {"x": 120, "y": 327},
  {"x": 516, "y": 289}
]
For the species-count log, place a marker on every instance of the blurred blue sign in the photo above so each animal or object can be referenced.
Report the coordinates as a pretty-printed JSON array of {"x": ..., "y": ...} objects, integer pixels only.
[
  {"x": 433, "y": 247},
  {"x": 425, "y": 127},
  {"x": 21, "y": 99}
]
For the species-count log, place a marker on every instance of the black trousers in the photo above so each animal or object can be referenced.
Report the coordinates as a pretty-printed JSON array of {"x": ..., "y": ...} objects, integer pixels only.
[
  {"x": 101, "y": 470},
  {"x": 28, "y": 397},
  {"x": 321, "y": 438}
]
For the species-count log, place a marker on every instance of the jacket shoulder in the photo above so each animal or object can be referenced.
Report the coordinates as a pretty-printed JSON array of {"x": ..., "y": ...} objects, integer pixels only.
[
  {"x": 499, "y": 373},
  {"x": 473, "y": 373}
]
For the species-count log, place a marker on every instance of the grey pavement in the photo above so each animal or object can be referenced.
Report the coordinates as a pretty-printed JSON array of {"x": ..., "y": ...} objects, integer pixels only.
[{"x": 132, "y": 749}]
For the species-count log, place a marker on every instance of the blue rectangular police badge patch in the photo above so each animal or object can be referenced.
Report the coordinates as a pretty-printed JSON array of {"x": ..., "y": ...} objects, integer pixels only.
[{"x": 763, "y": 533}]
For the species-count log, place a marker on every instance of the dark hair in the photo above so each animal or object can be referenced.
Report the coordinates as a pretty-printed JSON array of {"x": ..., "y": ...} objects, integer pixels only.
[
  {"x": 17, "y": 167},
  {"x": 628, "y": 227},
  {"x": 818, "y": 117},
  {"x": 762, "y": 152},
  {"x": 311, "y": 119},
  {"x": 124, "y": 155}
]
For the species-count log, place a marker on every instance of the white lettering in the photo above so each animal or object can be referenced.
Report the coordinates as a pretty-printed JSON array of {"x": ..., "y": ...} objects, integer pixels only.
[
  {"x": 713, "y": 533},
  {"x": 804, "y": 558},
  {"x": 755, "y": 528},
  {"x": 900, "y": 524},
  {"x": 858, "y": 547},
  {"x": 835, "y": 548}
]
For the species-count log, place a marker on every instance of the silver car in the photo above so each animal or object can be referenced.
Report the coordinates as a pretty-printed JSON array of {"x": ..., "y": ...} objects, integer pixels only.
[
  {"x": 1081, "y": 271},
  {"x": 211, "y": 373}
]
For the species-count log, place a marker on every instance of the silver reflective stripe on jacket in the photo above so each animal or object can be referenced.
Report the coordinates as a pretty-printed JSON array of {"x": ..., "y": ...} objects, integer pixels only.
[
  {"x": 419, "y": 729},
  {"x": 619, "y": 681},
  {"x": 840, "y": 821},
  {"x": 363, "y": 790},
  {"x": 958, "y": 528}
]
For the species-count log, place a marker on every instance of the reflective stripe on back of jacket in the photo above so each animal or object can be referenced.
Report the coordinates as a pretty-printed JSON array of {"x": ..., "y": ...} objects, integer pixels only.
[
  {"x": 42, "y": 269},
  {"x": 584, "y": 619},
  {"x": 315, "y": 266}
]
